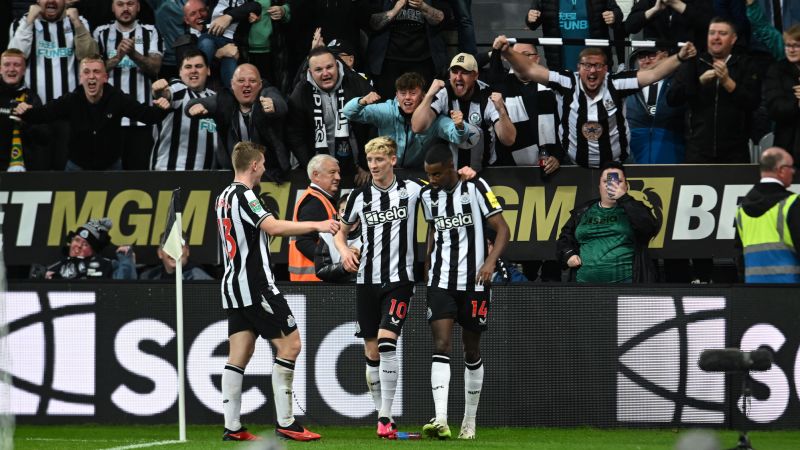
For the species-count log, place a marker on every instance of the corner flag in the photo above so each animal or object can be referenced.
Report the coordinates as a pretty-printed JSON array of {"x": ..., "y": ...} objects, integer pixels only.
[{"x": 171, "y": 241}]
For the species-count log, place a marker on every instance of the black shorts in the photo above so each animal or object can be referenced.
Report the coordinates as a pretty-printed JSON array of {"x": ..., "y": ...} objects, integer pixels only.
[
  {"x": 382, "y": 306},
  {"x": 469, "y": 309},
  {"x": 270, "y": 321}
]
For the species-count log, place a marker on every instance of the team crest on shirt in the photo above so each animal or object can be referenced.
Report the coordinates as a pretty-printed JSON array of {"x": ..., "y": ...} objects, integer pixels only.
[
  {"x": 402, "y": 193},
  {"x": 255, "y": 206},
  {"x": 592, "y": 131},
  {"x": 474, "y": 118},
  {"x": 290, "y": 321},
  {"x": 609, "y": 103},
  {"x": 465, "y": 199}
]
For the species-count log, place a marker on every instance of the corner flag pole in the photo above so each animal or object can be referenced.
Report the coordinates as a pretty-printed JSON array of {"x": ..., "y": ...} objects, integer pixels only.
[{"x": 172, "y": 244}]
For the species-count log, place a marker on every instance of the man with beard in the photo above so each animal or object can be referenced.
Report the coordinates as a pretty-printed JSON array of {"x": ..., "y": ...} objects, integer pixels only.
[
  {"x": 132, "y": 51},
  {"x": 93, "y": 111},
  {"x": 246, "y": 113},
  {"x": 593, "y": 128},
  {"x": 476, "y": 101},
  {"x": 393, "y": 118},
  {"x": 317, "y": 123},
  {"x": 185, "y": 142},
  {"x": 22, "y": 147},
  {"x": 54, "y": 39}
]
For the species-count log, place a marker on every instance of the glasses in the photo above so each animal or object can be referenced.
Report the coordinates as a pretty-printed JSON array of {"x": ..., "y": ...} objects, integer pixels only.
[
  {"x": 589, "y": 66},
  {"x": 793, "y": 46}
]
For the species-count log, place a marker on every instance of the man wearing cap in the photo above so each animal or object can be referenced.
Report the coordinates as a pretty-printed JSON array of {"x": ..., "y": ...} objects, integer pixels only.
[
  {"x": 83, "y": 260},
  {"x": 593, "y": 128},
  {"x": 406, "y": 38},
  {"x": 657, "y": 129},
  {"x": 480, "y": 107}
]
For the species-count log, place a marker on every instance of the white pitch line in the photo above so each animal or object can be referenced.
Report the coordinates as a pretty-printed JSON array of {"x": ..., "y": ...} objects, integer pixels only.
[{"x": 144, "y": 445}]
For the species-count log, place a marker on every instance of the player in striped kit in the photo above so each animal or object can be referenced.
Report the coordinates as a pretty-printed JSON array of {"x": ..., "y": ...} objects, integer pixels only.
[
  {"x": 253, "y": 303},
  {"x": 386, "y": 210},
  {"x": 132, "y": 52},
  {"x": 459, "y": 272},
  {"x": 185, "y": 142}
]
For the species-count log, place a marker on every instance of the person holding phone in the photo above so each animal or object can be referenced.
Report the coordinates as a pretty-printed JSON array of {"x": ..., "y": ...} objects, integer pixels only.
[{"x": 605, "y": 240}]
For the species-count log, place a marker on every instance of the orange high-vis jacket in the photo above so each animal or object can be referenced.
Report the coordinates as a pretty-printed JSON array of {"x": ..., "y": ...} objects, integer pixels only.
[{"x": 300, "y": 267}]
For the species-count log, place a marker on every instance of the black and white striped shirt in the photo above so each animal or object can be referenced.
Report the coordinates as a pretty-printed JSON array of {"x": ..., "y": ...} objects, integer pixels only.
[
  {"x": 388, "y": 230},
  {"x": 594, "y": 131},
  {"x": 459, "y": 248},
  {"x": 532, "y": 109},
  {"x": 52, "y": 66},
  {"x": 219, "y": 11},
  {"x": 127, "y": 75},
  {"x": 478, "y": 111},
  {"x": 184, "y": 142},
  {"x": 245, "y": 247}
]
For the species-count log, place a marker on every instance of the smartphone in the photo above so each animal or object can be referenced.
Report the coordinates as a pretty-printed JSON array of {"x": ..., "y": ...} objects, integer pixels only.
[{"x": 612, "y": 176}]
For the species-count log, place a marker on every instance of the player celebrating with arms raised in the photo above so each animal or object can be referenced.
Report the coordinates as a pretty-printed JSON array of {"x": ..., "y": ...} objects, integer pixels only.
[
  {"x": 459, "y": 271},
  {"x": 254, "y": 304}
]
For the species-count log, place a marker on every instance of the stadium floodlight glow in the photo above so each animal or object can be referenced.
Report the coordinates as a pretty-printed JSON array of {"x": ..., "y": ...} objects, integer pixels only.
[{"x": 735, "y": 360}]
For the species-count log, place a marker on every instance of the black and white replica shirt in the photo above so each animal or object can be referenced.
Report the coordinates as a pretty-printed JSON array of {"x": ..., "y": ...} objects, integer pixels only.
[
  {"x": 52, "y": 66},
  {"x": 594, "y": 131},
  {"x": 245, "y": 247},
  {"x": 459, "y": 242},
  {"x": 127, "y": 76},
  {"x": 184, "y": 142},
  {"x": 533, "y": 110},
  {"x": 388, "y": 230},
  {"x": 478, "y": 111}
]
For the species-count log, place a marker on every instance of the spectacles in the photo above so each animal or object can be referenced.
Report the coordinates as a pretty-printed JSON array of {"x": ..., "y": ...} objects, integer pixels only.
[
  {"x": 647, "y": 55},
  {"x": 589, "y": 66},
  {"x": 794, "y": 46}
]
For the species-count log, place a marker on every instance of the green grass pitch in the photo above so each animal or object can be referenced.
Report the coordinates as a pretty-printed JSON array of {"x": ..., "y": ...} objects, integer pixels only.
[{"x": 95, "y": 437}]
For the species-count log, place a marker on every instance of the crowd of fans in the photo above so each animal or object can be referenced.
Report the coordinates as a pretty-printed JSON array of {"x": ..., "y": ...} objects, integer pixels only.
[{"x": 174, "y": 85}]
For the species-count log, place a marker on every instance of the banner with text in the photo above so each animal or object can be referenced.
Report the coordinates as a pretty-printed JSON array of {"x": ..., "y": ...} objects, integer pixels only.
[{"x": 696, "y": 204}]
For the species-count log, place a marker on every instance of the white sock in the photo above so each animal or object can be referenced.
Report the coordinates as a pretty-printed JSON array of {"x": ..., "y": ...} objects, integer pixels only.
[
  {"x": 473, "y": 383},
  {"x": 232, "y": 396},
  {"x": 389, "y": 373},
  {"x": 282, "y": 377},
  {"x": 374, "y": 382},
  {"x": 440, "y": 384}
]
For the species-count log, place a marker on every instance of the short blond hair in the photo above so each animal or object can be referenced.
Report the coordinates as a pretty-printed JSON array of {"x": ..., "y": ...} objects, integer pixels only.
[
  {"x": 93, "y": 58},
  {"x": 13, "y": 53},
  {"x": 381, "y": 144},
  {"x": 244, "y": 153}
]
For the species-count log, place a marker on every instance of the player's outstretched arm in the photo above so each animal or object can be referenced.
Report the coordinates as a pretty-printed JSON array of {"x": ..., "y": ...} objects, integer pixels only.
[
  {"x": 276, "y": 227},
  {"x": 350, "y": 260},
  {"x": 499, "y": 225}
]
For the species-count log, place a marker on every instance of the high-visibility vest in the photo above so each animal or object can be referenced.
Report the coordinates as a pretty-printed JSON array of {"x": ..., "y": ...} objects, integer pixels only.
[
  {"x": 769, "y": 253},
  {"x": 300, "y": 267}
]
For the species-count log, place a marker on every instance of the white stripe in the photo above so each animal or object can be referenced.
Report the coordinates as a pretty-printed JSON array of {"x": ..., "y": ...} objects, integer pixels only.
[
  {"x": 596, "y": 43},
  {"x": 145, "y": 445},
  {"x": 551, "y": 41}
]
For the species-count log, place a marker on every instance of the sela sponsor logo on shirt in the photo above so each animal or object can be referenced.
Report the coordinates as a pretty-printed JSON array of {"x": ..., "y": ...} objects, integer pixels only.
[
  {"x": 459, "y": 220},
  {"x": 375, "y": 218}
]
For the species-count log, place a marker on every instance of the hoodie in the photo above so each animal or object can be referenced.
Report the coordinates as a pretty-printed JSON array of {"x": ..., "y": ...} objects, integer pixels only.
[{"x": 761, "y": 198}]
